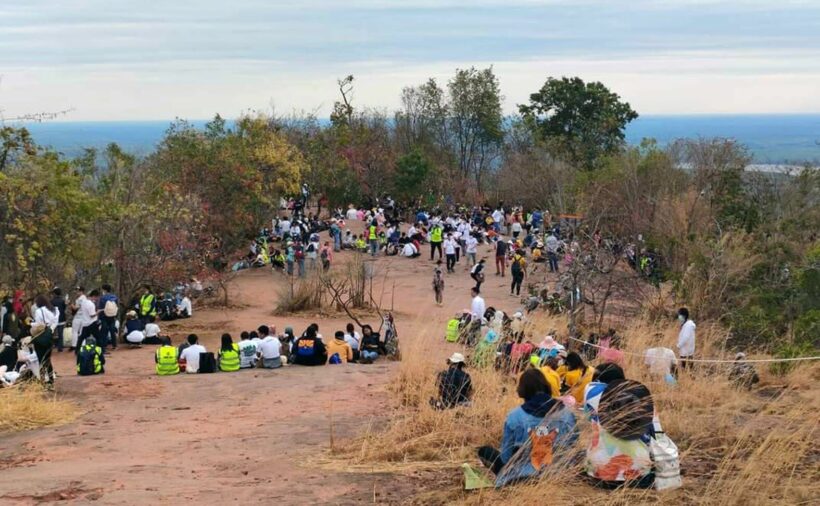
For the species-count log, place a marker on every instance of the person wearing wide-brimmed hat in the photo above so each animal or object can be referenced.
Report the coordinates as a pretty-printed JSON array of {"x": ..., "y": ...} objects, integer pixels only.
[{"x": 454, "y": 384}]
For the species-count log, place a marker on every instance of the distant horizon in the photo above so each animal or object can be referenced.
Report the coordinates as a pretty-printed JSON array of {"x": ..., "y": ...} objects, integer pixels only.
[
  {"x": 770, "y": 138},
  {"x": 327, "y": 118}
]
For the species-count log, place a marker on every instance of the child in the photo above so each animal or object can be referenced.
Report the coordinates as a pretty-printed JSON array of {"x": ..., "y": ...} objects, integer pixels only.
[{"x": 438, "y": 284}]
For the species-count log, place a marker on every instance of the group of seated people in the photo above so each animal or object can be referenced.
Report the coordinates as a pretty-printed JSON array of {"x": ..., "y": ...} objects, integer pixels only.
[
  {"x": 542, "y": 432},
  {"x": 264, "y": 348}
]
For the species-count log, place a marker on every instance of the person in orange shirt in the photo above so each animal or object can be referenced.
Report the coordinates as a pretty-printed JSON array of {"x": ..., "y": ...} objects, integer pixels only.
[
  {"x": 338, "y": 351},
  {"x": 576, "y": 375}
]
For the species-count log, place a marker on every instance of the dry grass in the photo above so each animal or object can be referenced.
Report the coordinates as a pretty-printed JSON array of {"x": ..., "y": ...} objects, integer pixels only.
[
  {"x": 737, "y": 446},
  {"x": 30, "y": 407}
]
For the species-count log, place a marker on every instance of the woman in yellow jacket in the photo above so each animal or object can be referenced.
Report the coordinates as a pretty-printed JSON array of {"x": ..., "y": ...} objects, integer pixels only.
[
  {"x": 228, "y": 355},
  {"x": 575, "y": 375}
]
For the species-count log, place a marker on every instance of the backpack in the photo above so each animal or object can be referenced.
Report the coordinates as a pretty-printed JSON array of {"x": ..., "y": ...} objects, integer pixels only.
[
  {"x": 207, "y": 363},
  {"x": 516, "y": 266},
  {"x": 85, "y": 365},
  {"x": 299, "y": 254},
  {"x": 311, "y": 248},
  {"x": 335, "y": 359},
  {"x": 324, "y": 254},
  {"x": 110, "y": 310}
]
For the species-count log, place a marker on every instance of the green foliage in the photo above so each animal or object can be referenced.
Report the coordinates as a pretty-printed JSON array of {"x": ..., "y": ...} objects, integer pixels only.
[
  {"x": 584, "y": 122},
  {"x": 412, "y": 170}
]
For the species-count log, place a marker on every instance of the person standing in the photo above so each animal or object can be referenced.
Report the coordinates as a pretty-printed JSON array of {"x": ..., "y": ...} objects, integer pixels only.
[
  {"x": 686, "y": 338},
  {"x": 471, "y": 249},
  {"x": 87, "y": 312},
  {"x": 373, "y": 237},
  {"x": 438, "y": 284},
  {"x": 477, "y": 306},
  {"x": 450, "y": 253},
  {"x": 552, "y": 243},
  {"x": 500, "y": 257},
  {"x": 58, "y": 301},
  {"x": 108, "y": 309},
  {"x": 436, "y": 238},
  {"x": 147, "y": 305},
  {"x": 336, "y": 234},
  {"x": 518, "y": 269},
  {"x": 326, "y": 256}
]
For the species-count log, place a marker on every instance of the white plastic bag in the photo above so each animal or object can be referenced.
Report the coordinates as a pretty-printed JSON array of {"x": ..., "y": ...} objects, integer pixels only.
[{"x": 665, "y": 460}]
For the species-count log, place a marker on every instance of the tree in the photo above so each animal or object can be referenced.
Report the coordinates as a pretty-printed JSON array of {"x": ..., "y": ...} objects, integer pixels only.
[
  {"x": 582, "y": 122},
  {"x": 475, "y": 121},
  {"x": 412, "y": 170}
]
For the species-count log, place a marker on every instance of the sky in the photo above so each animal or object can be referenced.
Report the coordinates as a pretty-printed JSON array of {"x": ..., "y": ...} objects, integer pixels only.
[{"x": 161, "y": 59}]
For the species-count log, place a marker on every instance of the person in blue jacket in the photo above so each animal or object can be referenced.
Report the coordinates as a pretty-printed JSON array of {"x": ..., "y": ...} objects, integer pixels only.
[{"x": 537, "y": 434}]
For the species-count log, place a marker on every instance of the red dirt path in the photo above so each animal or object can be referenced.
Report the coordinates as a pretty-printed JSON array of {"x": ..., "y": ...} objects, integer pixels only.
[{"x": 228, "y": 437}]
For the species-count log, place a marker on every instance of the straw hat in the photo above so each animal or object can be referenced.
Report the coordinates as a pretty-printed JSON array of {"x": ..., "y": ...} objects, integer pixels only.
[
  {"x": 26, "y": 341},
  {"x": 131, "y": 314}
]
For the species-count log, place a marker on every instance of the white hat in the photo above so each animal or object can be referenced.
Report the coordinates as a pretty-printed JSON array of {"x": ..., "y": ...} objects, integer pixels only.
[
  {"x": 25, "y": 341},
  {"x": 456, "y": 358},
  {"x": 518, "y": 314}
]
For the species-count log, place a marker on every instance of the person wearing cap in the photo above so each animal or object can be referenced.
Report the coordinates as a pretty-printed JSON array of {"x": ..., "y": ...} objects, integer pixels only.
[
  {"x": 455, "y": 386},
  {"x": 134, "y": 329}
]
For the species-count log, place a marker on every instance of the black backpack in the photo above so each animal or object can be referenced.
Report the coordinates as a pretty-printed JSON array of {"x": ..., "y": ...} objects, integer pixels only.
[
  {"x": 207, "y": 363},
  {"x": 85, "y": 364}
]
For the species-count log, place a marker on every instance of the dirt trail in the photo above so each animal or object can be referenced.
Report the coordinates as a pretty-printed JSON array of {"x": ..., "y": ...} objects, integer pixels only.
[{"x": 225, "y": 437}]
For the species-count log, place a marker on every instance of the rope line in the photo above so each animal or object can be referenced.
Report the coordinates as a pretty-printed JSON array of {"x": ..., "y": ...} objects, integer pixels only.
[{"x": 712, "y": 360}]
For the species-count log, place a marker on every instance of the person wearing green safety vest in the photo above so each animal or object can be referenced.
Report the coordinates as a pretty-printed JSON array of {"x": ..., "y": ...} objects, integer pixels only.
[
  {"x": 147, "y": 306},
  {"x": 90, "y": 358},
  {"x": 452, "y": 329},
  {"x": 373, "y": 237},
  {"x": 228, "y": 355},
  {"x": 436, "y": 238},
  {"x": 167, "y": 358}
]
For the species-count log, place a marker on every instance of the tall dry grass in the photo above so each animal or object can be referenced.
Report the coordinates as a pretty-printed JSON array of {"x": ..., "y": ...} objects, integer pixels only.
[
  {"x": 737, "y": 446},
  {"x": 27, "y": 407}
]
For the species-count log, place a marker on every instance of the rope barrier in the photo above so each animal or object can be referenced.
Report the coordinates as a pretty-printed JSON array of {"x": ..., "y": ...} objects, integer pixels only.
[{"x": 713, "y": 360}]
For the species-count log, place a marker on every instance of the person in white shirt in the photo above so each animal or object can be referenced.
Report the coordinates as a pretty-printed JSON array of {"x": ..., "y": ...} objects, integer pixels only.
[
  {"x": 498, "y": 220},
  {"x": 46, "y": 313},
  {"x": 471, "y": 248},
  {"x": 191, "y": 354},
  {"x": 247, "y": 351},
  {"x": 352, "y": 213},
  {"x": 269, "y": 349},
  {"x": 353, "y": 338},
  {"x": 686, "y": 337},
  {"x": 184, "y": 308},
  {"x": 450, "y": 252},
  {"x": 477, "y": 307},
  {"x": 87, "y": 313},
  {"x": 284, "y": 226},
  {"x": 661, "y": 362}
]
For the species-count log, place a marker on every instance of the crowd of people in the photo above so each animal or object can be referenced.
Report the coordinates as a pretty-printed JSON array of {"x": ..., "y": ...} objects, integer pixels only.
[
  {"x": 264, "y": 348},
  {"x": 91, "y": 324}
]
